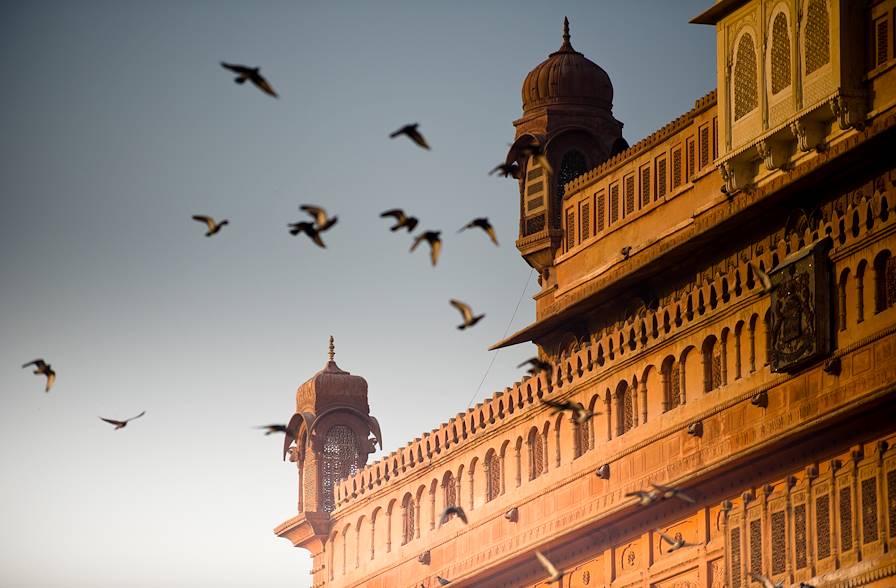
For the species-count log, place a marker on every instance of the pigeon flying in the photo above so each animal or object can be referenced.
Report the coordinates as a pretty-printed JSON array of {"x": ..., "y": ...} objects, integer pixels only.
[
  {"x": 675, "y": 543},
  {"x": 766, "y": 583},
  {"x": 308, "y": 229},
  {"x": 42, "y": 367},
  {"x": 250, "y": 73},
  {"x": 213, "y": 227},
  {"x": 536, "y": 365},
  {"x": 534, "y": 151},
  {"x": 483, "y": 224},
  {"x": 122, "y": 424},
  {"x": 666, "y": 492},
  {"x": 579, "y": 414},
  {"x": 270, "y": 429},
  {"x": 554, "y": 574},
  {"x": 322, "y": 221},
  {"x": 506, "y": 170},
  {"x": 435, "y": 244},
  {"x": 402, "y": 220},
  {"x": 467, "y": 312},
  {"x": 412, "y": 133},
  {"x": 456, "y": 510}
]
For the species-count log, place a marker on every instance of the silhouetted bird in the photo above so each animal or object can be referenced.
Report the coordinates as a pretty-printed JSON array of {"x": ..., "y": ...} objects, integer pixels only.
[
  {"x": 675, "y": 542},
  {"x": 766, "y": 583},
  {"x": 270, "y": 429},
  {"x": 579, "y": 413},
  {"x": 483, "y": 224},
  {"x": 467, "y": 312},
  {"x": 534, "y": 151},
  {"x": 250, "y": 73},
  {"x": 645, "y": 498},
  {"x": 213, "y": 227},
  {"x": 667, "y": 492},
  {"x": 452, "y": 510},
  {"x": 537, "y": 365},
  {"x": 402, "y": 220},
  {"x": 506, "y": 170},
  {"x": 308, "y": 229},
  {"x": 322, "y": 221},
  {"x": 764, "y": 280},
  {"x": 554, "y": 574},
  {"x": 42, "y": 367},
  {"x": 412, "y": 133},
  {"x": 435, "y": 244},
  {"x": 122, "y": 424}
]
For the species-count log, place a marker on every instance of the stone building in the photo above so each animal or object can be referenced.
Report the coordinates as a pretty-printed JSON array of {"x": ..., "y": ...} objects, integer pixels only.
[{"x": 722, "y": 294}]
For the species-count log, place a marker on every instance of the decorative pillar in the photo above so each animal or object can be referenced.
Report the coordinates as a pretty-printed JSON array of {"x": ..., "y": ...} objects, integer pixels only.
[
  {"x": 724, "y": 360},
  {"x": 609, "y": 411},
  {"x": 643, "y": 390},
  {"x": 682, "y": 390},
  {"x": 519, "y": 464},
  {"x": 667, "y": 387},
  {"x": 737, "y": 372}
]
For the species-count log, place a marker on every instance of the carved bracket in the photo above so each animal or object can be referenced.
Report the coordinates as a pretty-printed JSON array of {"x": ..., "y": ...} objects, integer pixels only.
[
  {"x": 809, "y": 134},
  {"x": 603, "y": 472},
  {"x": 851, "y": 110},
  {"x": 738, "y": 175},
  {"x": 696, "y": 429},
  {"x": 512, "y": 515},
  {"x": 774, "y": 153},
  {"x": 424, "y": 558},
  {"x": 760, "y": 399}
]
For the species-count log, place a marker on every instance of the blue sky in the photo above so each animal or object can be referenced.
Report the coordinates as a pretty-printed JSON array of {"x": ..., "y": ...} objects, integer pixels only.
[{"x": 118, "y": 124}]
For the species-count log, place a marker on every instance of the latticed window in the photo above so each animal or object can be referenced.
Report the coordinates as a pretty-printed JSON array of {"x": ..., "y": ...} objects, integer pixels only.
[
  {"x": 626, "y": 410},
  {"x": 692, "y": 158},
  {"x": 583, "y": 437},
  {"x": 799, "y": 535},
  {"x": 823, "y": 525},
  {"x": 601, "y": 211},
  {"x": 712, "y": 365},
  {"x": 869, "y": 510},
  {"x": 779, "y": 549},
  {"x": 780, "y": 54},
  {"x": 570, "y": 230},
  {"x": 715, "y": 137},
  {"x": 449, "y": 487},
  {"x": 660, "y": 178},
  {"x": 881, "y": 40},
  {"x": 704, "y": 147},
  {"x": 891, "y": 501},
  {"x": 492, "y": 475},
  {"x": 571, "y": 166},
  {"x": 756, "y": 546},
  {"x": 645, "y": 186},
  {"x": 817, "y": 42},
  {"x": 745, "y": 93},
  {"x": 676, "y": 168},
  {"x": 536, "y": 454},
  {"x": 586, "y": 221},
  {"x": 845, "y": 519},
  {"x": 673, "y": 381},
  {"x": 885, "y": 281},
  {"x": 614, "y": 203},
  {"x": 340, "y": 460},
  {"x": 629, "y": 195},
  {"x": 408, "y": 514},
  {"x": 735, "y": 559}
]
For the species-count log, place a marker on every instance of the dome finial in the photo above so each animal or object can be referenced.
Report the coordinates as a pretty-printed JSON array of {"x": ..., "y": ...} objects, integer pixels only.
[
  {"x": 566, "y": 47},
  {"x": 332, "y": 352}
]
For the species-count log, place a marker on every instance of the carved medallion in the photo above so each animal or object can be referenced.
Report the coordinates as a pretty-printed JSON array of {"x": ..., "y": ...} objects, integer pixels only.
[{"x": 799, "y": 327}]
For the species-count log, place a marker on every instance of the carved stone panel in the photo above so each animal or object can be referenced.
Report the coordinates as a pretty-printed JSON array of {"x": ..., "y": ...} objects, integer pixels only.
[{"x": 800, "y": 308}]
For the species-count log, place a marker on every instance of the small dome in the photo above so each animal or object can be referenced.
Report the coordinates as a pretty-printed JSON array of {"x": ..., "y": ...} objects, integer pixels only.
[
  {"x": 331, "y": 384},
  {"x": 567, "y": 76}
]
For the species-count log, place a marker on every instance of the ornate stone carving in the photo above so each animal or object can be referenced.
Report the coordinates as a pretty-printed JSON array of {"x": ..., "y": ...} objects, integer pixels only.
[
  {"x": 809, "y": 134},
  {"x": 775, "y": 154},
  {"x": 850, "y": 110},
  {"x": 800, "y": 308},
  {"x": 738, "y": 175}
]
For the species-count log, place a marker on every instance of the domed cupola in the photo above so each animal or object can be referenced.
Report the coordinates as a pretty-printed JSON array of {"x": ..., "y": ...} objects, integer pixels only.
[{"x": 568, "y": 118}]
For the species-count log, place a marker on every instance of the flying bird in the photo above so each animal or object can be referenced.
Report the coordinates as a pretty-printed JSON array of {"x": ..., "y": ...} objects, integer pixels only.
[
  {"x": 483, "y": 224},
  {"x": 443, "y": 581},
  {"x": 270, "y": 429},
  {"x": 43, "y": 368},
  {"x": 764, "y": 280},
  {"x": 554, "y": 574},
  {"x": 537, "y": 365},
  {"x": 309, "y": 229},
  {"x": 534, "y": 151},
  {"x": 579, "y": 413},
  {"x": 412, "y": 133},
  {"x": 435, "y": 243},
  {"x": 645, "y": 498},
  {"x": 213, "y": 227},
  {"x": 666, "y": 492},
  {"x": 766, "y": 583},
  {"x": 321, "y": 219},
  {"x": 402, "y": 221},
  {"x": 122, "y": 424},
  {"x": 452, "y": 510},
  {"x": 252, "y": 74},
  {"x": 675, "y": 542},
  {"x": 467, "y": 312},
  {"x": 506, "y": 170}
]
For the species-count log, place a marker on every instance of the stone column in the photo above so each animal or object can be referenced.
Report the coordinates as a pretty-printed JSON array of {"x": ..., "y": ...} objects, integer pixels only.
[
  {"x": 724, "y": 360},
  {"x": 609, "y": 410},
  {"x": 432, "y": 509},
  {"x": 643, "y": 391},
  {"x": 519, "y": 464},
  {"x": 682, "y": 390},
  {"x": 737, "y": 354},
  {"x": 667, "y": 387}
]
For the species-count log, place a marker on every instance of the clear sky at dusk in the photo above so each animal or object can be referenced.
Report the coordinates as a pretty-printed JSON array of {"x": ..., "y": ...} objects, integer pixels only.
[{"x": 118, "y": 124}]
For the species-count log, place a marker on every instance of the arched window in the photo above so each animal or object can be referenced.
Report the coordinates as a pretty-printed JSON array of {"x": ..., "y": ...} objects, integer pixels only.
[
  {"x": 536, "y": 453},
  {"x": 408, "y": 515},
  {"x": 671, "y": 376},
  {"x": 817, "y": 36},
  {"x": 582, "y": 434},
  {"x": 340, "y": 460},
  {"x": 625, "y": 411},
  {"x": 449, "y": 490},
  {"x": 492, "y": 475},
  {"x": 571, "y": 166},
  {"x": 745, "y": 94},
  {"x": 780, "y": 57},
  {"x": 712, "y": 364},
  {"x": 884, "y": 281}
]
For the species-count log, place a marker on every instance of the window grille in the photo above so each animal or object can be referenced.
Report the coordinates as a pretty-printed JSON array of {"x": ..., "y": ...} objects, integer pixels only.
[
  {"x": 535, "y": 173},
  {"x": 676, "y": 168},
  {"x": 745, "y": 94},
  {"x": 534, "y": 224},
  {"x": 890, "y": 284},
  {"x": 882, "y": 30},
  {"x": 586, "y": 221},
  {"x": 675, "y": 386},
  {"x": 571, "y": 166},
  {"x": 891, "y": 501},
  {"x": 799, "y": 535},
  {"x": 779, "y": 547},
  {"x": 716, "y": 366},
  {"x": 692, "y": 159},
  {"x": 340, "y": 460},
  {"x": 817, "y": 42},
  {"x": 869, "y": 510},
  {"x": 823, "y": 525},
  {"x": 450, "y": 489},
  {"x": 629, "y": 195},
  {"x": 600, "y": 212},
  {"x": 536, "y": 454},
  {"x": 614, "y": 203},
  {"x": 780, "y": 54},
  {"x": 645, "y": 186},
  {"x": 735, "y": 558},
  {"x": 570, "y": 230},
  {"x": 660, "y": 178},
  {"x": 756, "y": 546},
  {"x": 408, "y": 516},
  {"x": 845, "y": 519},
  {"x": 715, "y": 137},
  {"x": 704, "y": 147},
  {"x": 492, "y": 475},
  {"x": 628, "y": 411}
]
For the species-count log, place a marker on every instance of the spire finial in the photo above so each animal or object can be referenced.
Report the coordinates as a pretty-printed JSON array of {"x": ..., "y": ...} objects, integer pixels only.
[
  {"x": 565, "y": 30},
  {"x": 332, "y": 351}
]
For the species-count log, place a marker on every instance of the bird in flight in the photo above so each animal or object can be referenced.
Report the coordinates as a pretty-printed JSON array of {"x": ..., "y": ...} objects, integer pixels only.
[
  {"x": 309, "y": 229},
  {"x": 412, "y": 133},
  {"x": 483, "y": 224},
  {"x": 435, "y": 244},
  {"x": 401, "y": 219},
  {"x": 554, "y": 574},
  {"x": 666, "y": 492},
  {"x": 536, "y": 365},
  {"x": 270, "y": 429},
  {"x": 452, "y": 510},
  {"x": 676, "y": 542},
  {"x": 765, "y": 581},
  {"x": 321, "y": 219},
  {"x": 506, "y": 170},
  {"x": 252, "y": 74},
  {"x": 534, "y": 151},
  {"x": 579, "y": 413},
  {"x": 213, "y": 227},
  {"x": 42, "y": 367},
  {"x": 122, "y": 424},
  {"x": 645, "y": 498},
  {"x": 467, "y": 312},
  {"x": 764, "y": 280}
]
